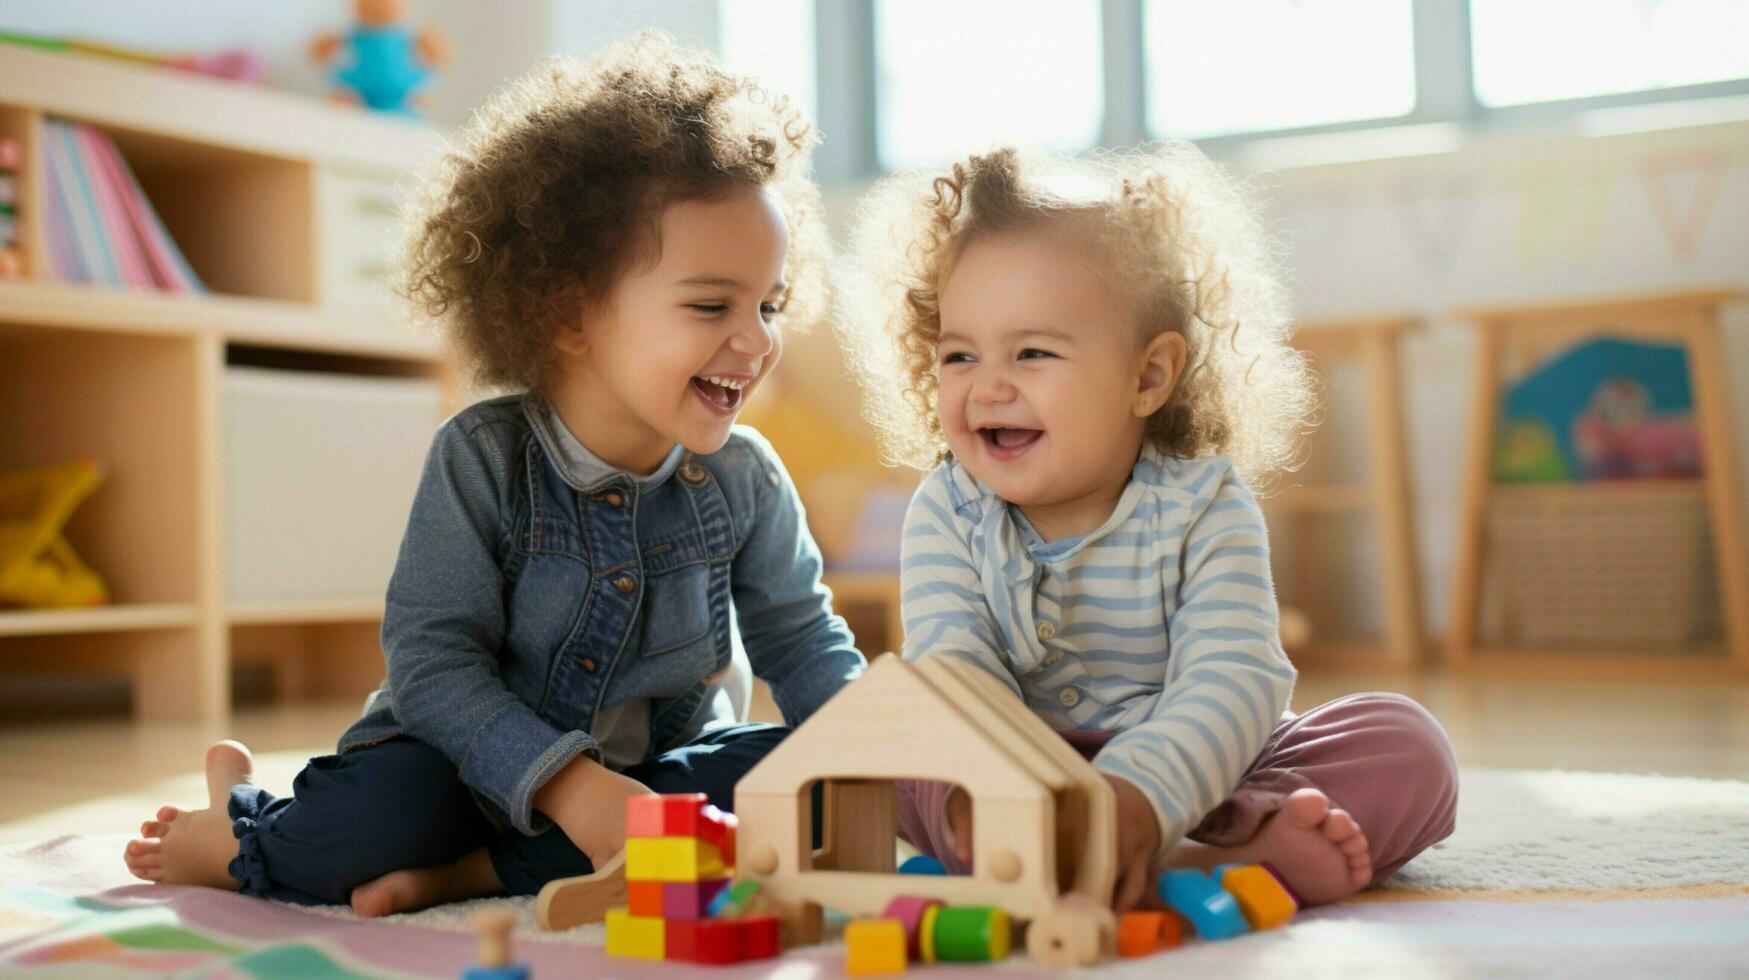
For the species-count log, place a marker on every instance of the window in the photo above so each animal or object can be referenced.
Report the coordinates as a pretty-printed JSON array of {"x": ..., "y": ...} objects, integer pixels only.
[
  {"x": 774, "y": 40},
  {"x": 1572, "y": 49},
  {"x": 956, "y": 78},
  {"x": 1243, "y": 66}
]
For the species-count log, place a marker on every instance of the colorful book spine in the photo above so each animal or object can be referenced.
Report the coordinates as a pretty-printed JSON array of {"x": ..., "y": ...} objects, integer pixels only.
[
  {"x": 11, "y": 261},
  {"x": 99, "y": 225}
]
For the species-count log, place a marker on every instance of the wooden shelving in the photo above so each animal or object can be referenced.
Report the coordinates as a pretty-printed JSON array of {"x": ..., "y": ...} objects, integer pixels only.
[
  {"x": 236, "y": 319},
  {"x": 265, "y": 612},
  {"x": 284, "y": 207},
  {"x": 1317, "y": 519},
  {"x": 1691, "y": 319},
  {"x": 102, "y": 619}
]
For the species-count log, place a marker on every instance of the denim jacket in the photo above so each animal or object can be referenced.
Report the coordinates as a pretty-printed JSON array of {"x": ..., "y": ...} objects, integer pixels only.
[{"x": 522, "y": 605}]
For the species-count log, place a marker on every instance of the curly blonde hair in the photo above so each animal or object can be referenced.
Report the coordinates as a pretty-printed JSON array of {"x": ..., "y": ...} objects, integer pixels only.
[
  {"x": 556, "y": 188},
  {"x": 1166, "y": 227}
]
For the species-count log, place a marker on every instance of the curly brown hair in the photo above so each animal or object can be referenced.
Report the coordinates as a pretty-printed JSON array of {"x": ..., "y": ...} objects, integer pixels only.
[
  {"x": 556, "y": 188},
  {"x": 1163, "y": 225}
]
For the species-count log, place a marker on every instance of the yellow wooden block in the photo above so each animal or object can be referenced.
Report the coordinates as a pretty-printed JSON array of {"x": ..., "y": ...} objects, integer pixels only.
[
  {"x": 1265, "y": 903},
  {"x": 874, "y": 946},
  {"x": 641, "y": 936},
  {"x": 682, "y": 859}
]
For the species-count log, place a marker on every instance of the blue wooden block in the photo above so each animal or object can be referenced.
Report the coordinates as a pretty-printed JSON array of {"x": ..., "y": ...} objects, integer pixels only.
[
  {"x": 922, "y": 864},
  {"x": 1194, "y": 895}
]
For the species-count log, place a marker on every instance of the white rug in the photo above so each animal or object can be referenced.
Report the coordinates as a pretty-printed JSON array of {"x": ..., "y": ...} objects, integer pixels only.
[{"x": 1554, "y": 831}]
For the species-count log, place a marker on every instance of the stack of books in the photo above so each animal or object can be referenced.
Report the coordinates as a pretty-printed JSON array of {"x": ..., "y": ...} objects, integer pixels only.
[{"x": 98, "y": 223}]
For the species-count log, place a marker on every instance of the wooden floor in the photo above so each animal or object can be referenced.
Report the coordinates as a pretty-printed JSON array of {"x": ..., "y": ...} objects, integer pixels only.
[{"x": 106, "y": 776}]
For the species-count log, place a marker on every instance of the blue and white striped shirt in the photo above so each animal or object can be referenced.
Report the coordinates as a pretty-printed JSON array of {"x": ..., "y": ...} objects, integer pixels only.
[{"x": 1160, "y": 625}]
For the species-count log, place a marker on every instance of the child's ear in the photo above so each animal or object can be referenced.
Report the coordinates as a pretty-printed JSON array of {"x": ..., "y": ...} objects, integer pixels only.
[
  {"x": 1161, "y": 364},
  {"x": 573, "y": 335}
]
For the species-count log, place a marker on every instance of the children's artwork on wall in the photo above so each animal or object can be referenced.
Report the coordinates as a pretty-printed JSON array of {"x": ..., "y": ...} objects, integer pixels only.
[{"x": 1604, "y": 409}]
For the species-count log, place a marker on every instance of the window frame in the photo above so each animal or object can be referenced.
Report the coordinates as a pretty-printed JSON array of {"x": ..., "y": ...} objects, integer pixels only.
[{"x": 1444, "y": 88}]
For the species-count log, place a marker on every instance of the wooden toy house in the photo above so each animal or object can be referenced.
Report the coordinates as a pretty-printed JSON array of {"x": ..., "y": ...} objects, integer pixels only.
[{"x": 1042, "y": 817}]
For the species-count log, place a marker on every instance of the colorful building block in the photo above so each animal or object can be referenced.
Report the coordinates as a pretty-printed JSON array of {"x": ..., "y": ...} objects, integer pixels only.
[
  {"x": 669, "y": 815},
  {"x": 909, "y": 909},
  {"x": 690, "y": 899},
  {"x": 736, "y": 900},
  {"x": 1194, "y": 895},
  {"x": 640, "y": 936},
  {"x": 645, "y": 897},
  {"x": 672, "y": 859},
  {"x": 1220, "y": 871},
  {"x": 704, "y": 940},
  {"x": 1138, "y": 933},
  {"x": 971, "y": 934},
  {"x": 1261, "y": 897},
  {"x": 1172, "y": 930},
  {"x": 761, "y": 936},
  {"x": 717, "y": 827},
  {"x": 874, "y": 946},
  {"x": 926, "y": 933}
]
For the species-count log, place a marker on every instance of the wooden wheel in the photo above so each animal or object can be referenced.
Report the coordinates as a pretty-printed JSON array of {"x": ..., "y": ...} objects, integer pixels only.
[{"x": 1069, "y": 934}]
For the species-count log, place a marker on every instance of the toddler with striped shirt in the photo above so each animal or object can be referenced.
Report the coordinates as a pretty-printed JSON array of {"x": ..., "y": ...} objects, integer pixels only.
[{"x": 1092, "y": 359}]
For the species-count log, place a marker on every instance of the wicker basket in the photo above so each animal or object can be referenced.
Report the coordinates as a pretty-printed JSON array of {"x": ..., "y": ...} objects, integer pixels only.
[{"x": 1611, "y": 573}]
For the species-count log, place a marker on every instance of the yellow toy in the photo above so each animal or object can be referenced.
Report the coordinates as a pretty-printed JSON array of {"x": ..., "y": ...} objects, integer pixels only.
[
  {"x": 38, "y": 568},
  {"x": 1261, "y": 897},
  {"x": 874, "y": 946}
]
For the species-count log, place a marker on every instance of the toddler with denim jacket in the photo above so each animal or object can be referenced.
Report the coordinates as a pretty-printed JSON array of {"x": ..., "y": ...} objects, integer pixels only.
[
  {"x": 1091, "y": 357},
  {"x": 619, "y": 243}
]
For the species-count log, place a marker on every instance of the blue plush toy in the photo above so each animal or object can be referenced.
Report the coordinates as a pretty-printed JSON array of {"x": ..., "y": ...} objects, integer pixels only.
[{"x": 382, "y": 59}]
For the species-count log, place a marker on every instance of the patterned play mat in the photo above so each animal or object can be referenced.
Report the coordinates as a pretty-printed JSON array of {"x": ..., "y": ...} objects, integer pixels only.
[{"x": 1549, "y": 874}]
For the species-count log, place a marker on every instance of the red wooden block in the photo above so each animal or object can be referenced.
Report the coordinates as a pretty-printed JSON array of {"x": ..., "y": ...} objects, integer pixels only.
[
  {"x": 645, "y": 898},
  {"x": 704, "y": 941},
  {"x": 760, "y": 936},
  {"x": 671, "y": 815},
  {"x": 690, "y": 899},
  {"x": 713, "y": 826}
]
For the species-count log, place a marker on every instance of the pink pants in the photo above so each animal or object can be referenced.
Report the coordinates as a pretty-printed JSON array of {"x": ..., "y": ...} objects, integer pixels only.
[{"x": 1379, "y": 756}]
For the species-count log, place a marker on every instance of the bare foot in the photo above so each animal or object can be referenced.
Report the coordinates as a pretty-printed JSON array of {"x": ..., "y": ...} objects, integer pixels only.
[
  {"x": 195, "y": 847},
  {"x": 1319, "y": 850},
  {"x": 417, "y": 888}
]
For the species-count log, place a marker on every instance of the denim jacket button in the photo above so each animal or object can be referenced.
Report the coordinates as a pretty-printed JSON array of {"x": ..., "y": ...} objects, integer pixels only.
[
  {"x": 692, "y": 473},
  {"x": 625, "y": 584},
  {"x": 588, "y": 664},
  {"x": 613, "y": 499}
]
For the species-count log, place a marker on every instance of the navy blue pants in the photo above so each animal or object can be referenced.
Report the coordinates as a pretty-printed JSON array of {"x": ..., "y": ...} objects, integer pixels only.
[{"x": 399, "y": 804}]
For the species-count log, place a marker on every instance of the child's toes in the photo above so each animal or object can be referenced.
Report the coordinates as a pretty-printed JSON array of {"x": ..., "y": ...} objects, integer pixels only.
[
  {"x": 1356, "y": 846},
  {"x": 154, "y": 828},
  {"x": 1306, "y": 807},
  {"x": 169, "y": 813},
  {"x": 142, "y": 848},
  {"x": 1340, "y": 827}
]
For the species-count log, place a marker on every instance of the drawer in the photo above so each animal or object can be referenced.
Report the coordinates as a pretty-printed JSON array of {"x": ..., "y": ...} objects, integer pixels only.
[
  {"x": 320, "y": 471},
  {"x": 358, "y": 223}
]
